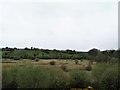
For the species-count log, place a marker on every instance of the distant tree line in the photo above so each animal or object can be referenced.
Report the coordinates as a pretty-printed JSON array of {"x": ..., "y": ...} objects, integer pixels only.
[{"x": 33, "y": 53}]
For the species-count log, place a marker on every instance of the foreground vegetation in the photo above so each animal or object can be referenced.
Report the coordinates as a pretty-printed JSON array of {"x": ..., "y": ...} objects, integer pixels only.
[{"x": 42, "y": 74}]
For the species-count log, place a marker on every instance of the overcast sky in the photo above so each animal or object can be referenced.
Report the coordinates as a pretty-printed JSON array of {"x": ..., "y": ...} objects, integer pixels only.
[{"x": 60, "y": 25}]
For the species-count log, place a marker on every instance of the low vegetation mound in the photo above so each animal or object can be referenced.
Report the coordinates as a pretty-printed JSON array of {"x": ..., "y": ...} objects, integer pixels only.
[{"x": 52, "y": 62}]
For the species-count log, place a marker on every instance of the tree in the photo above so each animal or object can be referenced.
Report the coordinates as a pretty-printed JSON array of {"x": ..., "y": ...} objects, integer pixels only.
[
  {"x": 60, "y": 56},
  {"x": 26, "y": 48},
  {"x": 93, "y": 52},
  {"x": 31, "y": 48}
]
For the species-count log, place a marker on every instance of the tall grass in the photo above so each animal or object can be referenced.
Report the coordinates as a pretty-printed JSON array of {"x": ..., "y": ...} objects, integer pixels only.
[
  {"x": 79, "y": 79},
  {"x": 34, "y": 77},
  {"x": 9, "y": 78},
  {"x": 105, "y": 76},
  {"x": 109, "y": 79}
]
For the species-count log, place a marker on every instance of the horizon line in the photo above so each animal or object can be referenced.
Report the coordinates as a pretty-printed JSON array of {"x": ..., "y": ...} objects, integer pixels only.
[{"x": 61, "y": 49}]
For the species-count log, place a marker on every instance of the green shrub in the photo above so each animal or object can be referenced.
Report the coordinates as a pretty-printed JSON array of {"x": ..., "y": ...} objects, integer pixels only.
[
  {"x": 58, "y": 79},
  {"x": 76, "y": 61},
  {"x": 17, "y": 58},
  {"x": 81, "y": 60},
  {"x": 102, "y": 58},
  {"x": 64, "y": 68},
  {"x": 105, "y": 76},
  {"x": 88, "y": 67},
  {"x": 37, "y": 59},
  {"x": 79, "y": 78},
  {"x": 52, "y": 62},
  {"x": 97, "y": 72},
  {"x": 109, "y": 79}
]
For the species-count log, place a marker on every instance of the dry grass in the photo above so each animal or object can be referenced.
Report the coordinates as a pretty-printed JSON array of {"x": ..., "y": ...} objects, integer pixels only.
[{"x": 42, "y": 62}]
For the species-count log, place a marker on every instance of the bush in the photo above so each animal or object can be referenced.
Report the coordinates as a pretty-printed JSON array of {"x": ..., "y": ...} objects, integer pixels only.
[
  {"x": 81, "y": 60},
  {"x": 64, "y": 68},
  {"x": 93, "y": 52},
  {"x": 37, "y": 59},
  {"x": 58, "y": 79},
  {"x": 102, "y": 58},
  {"x": 17, "y": 58},
  {"x": 52, "y": 62},
  {"x": 88, "y": 67},
  {"x": 76, "y": 61},
  {"x": 79, "y": 79},
  {"x": 109, "y": 79},
  {"x": 97, "y": 72}
]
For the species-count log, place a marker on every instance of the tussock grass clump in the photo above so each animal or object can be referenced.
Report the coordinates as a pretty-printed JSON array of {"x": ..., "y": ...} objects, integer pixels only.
[
  {"x": 88, "y": 67},
  {"x": 76, "y": 61},
  {"x": 52, "y": 62},
  {"x": 105, "y": 75},
  {"x": 109, "y": 79},
  {"x": 58, "y": 79},
  {"x": 64, "y": 68},
  {"x": 37, "y": 59},
  {"x": 79, "y": 78}
]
